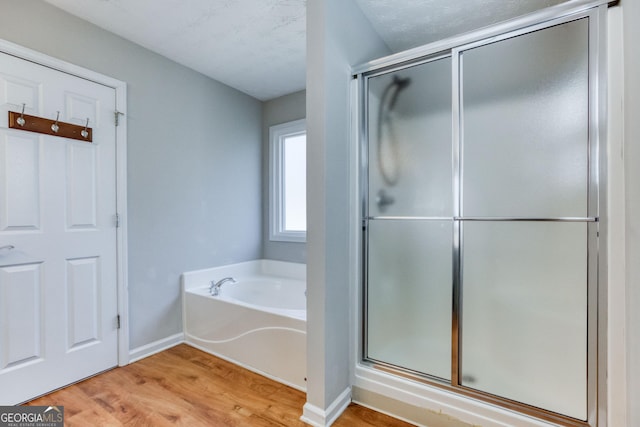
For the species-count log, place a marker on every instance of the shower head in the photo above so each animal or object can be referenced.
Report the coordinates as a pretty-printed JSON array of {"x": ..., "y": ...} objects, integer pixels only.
[{"x": 400, "y": 84}]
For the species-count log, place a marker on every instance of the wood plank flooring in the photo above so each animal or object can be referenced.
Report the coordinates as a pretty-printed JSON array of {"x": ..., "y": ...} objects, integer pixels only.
[{"x": 184, "y": 386}]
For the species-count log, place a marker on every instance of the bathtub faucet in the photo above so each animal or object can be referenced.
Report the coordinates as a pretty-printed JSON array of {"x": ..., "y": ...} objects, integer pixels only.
[{"x": 214, "y": 289}]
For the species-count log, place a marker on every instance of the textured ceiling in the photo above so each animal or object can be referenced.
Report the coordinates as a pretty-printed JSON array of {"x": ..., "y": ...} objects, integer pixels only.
[
  {"x": 405, "y": 24},
  {"x": 258, "y": 46}
]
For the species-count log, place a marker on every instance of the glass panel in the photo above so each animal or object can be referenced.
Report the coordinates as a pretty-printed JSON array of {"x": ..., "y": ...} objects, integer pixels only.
[
  {"x": 410, "y": 141},
  {"x": 295, "y": 182},
  {"x": 524, "y": 299},
  {"x": 409, "y": 295},
  {"x": 525, "y": 125}
]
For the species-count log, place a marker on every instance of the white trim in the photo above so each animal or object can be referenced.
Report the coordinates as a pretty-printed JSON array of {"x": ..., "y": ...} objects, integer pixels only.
[
  {"x": 617, "y": 362},
  {"x": 58, "y": 64},
  {"x": 317, "y": 417},
  {"x": 277, "y": 133},
  {"x": 356, "y": 226},
  {"x": 155, "y": 347},
  {"x": 436, "y": 400},
  {"x": 312, "y": 415},
  {"x": 600, "y": 174},
  {"x": 122, "y": 231},
  {"x": 121, "y": 173}
]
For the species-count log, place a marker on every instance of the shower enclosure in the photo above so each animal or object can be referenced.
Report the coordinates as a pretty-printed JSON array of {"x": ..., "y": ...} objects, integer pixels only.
[{"x": 480, "y": 188}]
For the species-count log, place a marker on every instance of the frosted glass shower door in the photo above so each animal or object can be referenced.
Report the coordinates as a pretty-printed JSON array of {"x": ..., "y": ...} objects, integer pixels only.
[
  {"x": 525, "y": 115},
  {"x": 409, "y": 148},
  {"x": 524, "y": 317},
  {"x": 480, "y": 205},
  {"x": 409, "y": 295},
  {"x": 410, "y": 231},
  {"x": 525, "y": 218}
]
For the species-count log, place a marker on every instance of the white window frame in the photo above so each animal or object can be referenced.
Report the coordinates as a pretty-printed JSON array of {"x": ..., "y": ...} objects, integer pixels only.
[{"x": 277, "y": 135}]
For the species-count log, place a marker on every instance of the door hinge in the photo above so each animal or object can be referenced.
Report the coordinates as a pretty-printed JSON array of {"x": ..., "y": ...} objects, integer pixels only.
[
  {"x": 117, "y": 115},
  {"x": 117, "y": 220},
  {"x": 118, "y": 321}
]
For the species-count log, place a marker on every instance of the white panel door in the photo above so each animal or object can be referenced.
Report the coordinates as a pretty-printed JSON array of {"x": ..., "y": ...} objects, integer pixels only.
[{"x": 58, "y": 301}]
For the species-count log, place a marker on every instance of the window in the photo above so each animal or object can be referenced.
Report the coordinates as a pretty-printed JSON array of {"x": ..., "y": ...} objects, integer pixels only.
[{"x": 288, "y": 182}]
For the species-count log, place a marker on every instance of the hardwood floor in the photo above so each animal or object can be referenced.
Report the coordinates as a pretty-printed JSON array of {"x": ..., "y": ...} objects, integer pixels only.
[{"x": 187, "y": 387}]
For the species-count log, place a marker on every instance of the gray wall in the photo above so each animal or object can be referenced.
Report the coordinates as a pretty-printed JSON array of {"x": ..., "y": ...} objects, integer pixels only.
[
  {"x": 631, "y": 17},
  {"x": 274, "y": 112},
  {"x": 338, "y": 36},
  {"x": 188, "y": 138}
]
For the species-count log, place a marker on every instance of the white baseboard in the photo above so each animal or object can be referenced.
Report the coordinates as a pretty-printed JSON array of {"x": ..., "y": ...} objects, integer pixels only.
[
  {"x": 317, "y": 417},
  {"x": 155, "y": 347}
]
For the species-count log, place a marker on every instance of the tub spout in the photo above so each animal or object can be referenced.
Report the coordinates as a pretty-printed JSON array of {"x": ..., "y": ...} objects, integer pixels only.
[{"x": 214, "y": 289}]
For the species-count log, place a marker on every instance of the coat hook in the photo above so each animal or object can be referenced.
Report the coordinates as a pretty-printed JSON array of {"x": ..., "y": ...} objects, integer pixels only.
[
  {"x": 84, "y": 132},
  {"x": 20, "y": 120},
  {"x": 55, "y": 127}
]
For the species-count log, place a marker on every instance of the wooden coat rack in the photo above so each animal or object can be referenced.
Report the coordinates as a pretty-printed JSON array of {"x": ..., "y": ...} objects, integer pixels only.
[{"x": 50, "y": 127}]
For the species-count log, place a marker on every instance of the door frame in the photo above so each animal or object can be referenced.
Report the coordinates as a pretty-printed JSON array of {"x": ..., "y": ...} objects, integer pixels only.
[{"x": 120, "y": 88}]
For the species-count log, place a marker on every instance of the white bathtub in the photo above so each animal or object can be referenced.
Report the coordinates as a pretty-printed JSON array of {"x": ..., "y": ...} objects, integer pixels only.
[{"x": 259, "y": 322}]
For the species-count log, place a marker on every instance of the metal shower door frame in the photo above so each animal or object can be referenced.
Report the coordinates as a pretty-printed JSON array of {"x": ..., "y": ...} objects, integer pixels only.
[{"x": 595, "y": 12}]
